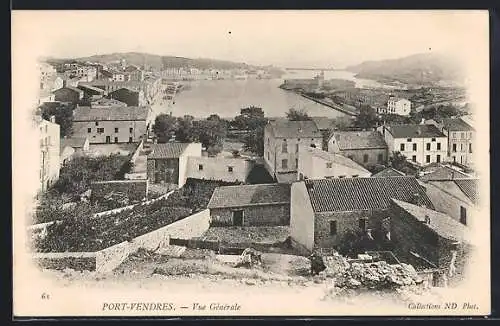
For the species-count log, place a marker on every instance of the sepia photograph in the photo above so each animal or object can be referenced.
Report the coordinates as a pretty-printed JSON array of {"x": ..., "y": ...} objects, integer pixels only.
[{"x": 250, "y": 163}]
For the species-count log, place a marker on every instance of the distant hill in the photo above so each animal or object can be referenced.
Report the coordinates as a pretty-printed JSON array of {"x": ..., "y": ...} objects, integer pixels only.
[
  {"x": 418, "y": 69},
  {"x": 159, "y": 62}
]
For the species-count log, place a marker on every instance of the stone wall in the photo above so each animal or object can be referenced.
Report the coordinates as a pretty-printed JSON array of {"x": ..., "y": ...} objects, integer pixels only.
[
  {"x": 262, "y": 215},
  {"x": 357, "y": 155},
  {"x": 79, "y": 261},
  {"x": 189, "y": 227},
  {"x": 346, "y": 222}
]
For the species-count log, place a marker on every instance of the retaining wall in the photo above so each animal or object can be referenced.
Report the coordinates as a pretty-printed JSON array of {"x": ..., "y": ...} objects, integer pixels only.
[
  {"x": 189, "y": 227},
  {"x": 79, "y": 261},
  {"x": 124, "y": 208}
]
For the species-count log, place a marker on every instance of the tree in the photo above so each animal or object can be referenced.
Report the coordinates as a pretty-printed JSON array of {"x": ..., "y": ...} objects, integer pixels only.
[
  {"x": 210, "y": 133},
  {"x": 398, "y": 161},
  {"x": 343, "y": 123},
  {"x": 252, "y": 111},
  {"x": 63, "y": 113},
  {"x": 254, "y": 141},
  {"x": 164, "y": 127},
  {"x": 184, "y": 130},
  {"x": 367, "y": 117},
  {"x": 297, "y": 115}
]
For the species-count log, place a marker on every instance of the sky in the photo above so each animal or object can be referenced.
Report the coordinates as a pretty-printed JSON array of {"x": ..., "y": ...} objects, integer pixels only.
[{"x": 281, "y": 38}]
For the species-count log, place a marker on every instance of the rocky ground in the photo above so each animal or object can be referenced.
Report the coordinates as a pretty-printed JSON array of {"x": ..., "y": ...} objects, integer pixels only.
[{"x": 203, "y": 273}]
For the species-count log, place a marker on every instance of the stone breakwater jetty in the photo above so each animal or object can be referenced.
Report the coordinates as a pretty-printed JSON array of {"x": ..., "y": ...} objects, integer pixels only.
[{"x": 332, "y": 105}]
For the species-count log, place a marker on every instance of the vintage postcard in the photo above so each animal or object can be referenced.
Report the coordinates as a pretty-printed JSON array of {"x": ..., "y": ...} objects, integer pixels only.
[{"x": 239, "y": 163}]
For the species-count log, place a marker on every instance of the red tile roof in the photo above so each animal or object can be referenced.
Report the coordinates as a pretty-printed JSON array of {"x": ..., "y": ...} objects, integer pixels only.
[
  {"x": 414, "y": 131},
  {"x": 283, "y": 128},
  {"x": 389, "y": 172},
  {"x": 250, "y": 195},
  {"x": 350, "y": 194},
  {"x": 359, "y": 140},
  {"x": 167, "y": 150},
  {"x": 131, "y": 113},
  {"x": 440, "y": 223}
]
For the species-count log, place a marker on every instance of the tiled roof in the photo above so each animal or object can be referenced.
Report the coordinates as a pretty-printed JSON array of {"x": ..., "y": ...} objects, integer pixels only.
[
  {"x": 414, "y": 131},
  {"x": 73, "y": 142},
  {"x": 337, "y": 159},
  {"x": 469, "y": 188},
  {"x": 107, "y": 102},
  {"x": 131, "y": 113},
  {"x": 283, "y": 128},
  {"x": 349, "y": 194},
  {"x": 323, "y": 123},
  {"x": 359, "y": 139},
  {"x": 440, "y": 223},
  {"x": 250, "y": 195},
  {"x": 95, "y": 89},
  {"x": 456, "y": 125},
  {"x": 167, "y": 150},
  {"x": 397, "y": 99},
  {"x": 389, "y": 172},
  {"x": 79, "y": 91},
  {"x": 97, "y": 83},
  {"x": 443, "y": 173}
]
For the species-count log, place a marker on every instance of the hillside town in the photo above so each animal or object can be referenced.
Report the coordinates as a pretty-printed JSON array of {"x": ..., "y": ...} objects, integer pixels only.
[{"x": 383, "y": 197}]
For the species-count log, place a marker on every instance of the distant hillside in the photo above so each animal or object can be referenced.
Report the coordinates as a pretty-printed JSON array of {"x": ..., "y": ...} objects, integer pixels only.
[
  {"x": 418, "y": 69},
  {"x": 159, "y": 62}
]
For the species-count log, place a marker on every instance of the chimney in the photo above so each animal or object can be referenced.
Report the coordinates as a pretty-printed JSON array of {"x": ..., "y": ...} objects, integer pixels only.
[
  {"x": 53, "y": 118},
  {"x": 427, "y": 219}
]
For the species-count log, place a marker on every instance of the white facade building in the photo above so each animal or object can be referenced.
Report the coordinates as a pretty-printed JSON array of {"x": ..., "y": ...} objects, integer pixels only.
[
  {"x": 49, "y": 152},
  {"x": 399, "y": 106},
  {"x": 421, "y": 144}
]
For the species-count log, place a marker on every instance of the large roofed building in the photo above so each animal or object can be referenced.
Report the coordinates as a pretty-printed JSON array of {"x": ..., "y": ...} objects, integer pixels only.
[{"x": 112, "y": 125}]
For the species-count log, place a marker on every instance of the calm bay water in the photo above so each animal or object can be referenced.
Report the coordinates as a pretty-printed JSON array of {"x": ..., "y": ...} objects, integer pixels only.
[{"x": 226, "y": 97}]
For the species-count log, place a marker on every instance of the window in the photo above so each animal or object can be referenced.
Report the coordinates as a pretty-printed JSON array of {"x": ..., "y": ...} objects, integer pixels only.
[
  {"x": 461, "y": 147},
  {"x": 200, "y": 167},
  {"x": 116, "y": 139},
  {"x": 297, "y": 163},
  {"x": 462, "y": 135},
  {"x": 284, "y": 164},
  {"x": 268, "y": 156},
  {"x": 100, "y": 130},
  {"x": 454, "y": 159},
  {"x": 89, "y": 130},
  {"x": 362, "y": 223},
  {"x": 97, "y": 123},
  {"x": 116, "y": 130},
  {"x": 414, "y": 158},
  {"x": 328, "y": 165},
  {"x": 284, "y": 147},
  {"x": 333, "y": 227},
  {"x": 402, "y": 147},
  {"x": 428, "y": 146},
  {"x": 229, "y": 169},
  {"x": 454, "y": 135},
  {"x": 438, "y": 158},
  {"x": 296, "y": 148},
  {"x": 129, "y": 139},
  {"x": 463, "y": 215},
  {"x": 130, "y": 130},
  {"x": 427, "y": 158},
  {"x": 438, "y": 146},
  {"x": 408, "y": 139},
  {"x": 365, "y": 158},
  {"x": 268, "y": 141},
  {"x": 470, "y": 148},
  {"x": 454, "y": 147},
  {"x": 355, "y": 175},
  {"x": 380, "y": 158},
  {"x": 433, "y": 139},
  {"x": 414, "y": 147}
]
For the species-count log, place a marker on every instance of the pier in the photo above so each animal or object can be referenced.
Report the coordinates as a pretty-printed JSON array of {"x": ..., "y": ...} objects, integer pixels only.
[{"x": 332, "y": 105}]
